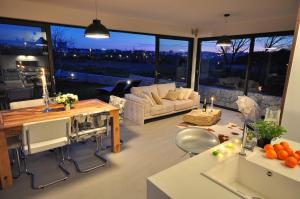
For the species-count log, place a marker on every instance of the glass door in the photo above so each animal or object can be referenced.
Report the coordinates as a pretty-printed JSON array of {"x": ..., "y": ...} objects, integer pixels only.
[{"x": 173, "y": 61}]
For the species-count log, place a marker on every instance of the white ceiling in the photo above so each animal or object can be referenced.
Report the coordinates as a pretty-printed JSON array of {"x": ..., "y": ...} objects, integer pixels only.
[{"x": 194, "y": 13}]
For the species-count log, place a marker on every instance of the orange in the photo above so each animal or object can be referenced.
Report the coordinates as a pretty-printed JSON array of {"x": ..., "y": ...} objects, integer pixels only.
[
  {"x": 271, "y": 154},
  {"x": 289, "y": 151},
  {"x": 268, "y": 147},
  {"x": 277, "y": 147},
  {"x": 291, "y": 162},
  {"x": 282, "y": 154},
  {"x": 295, "y": 155},
  {"x": 285, "y": 144},
  {"x": 298, "y": 152}
]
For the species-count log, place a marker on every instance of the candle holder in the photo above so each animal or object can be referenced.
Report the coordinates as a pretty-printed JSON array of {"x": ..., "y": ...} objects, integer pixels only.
[
  {"x": 45, "y": 92},
  {"x": 212, "y": 104}
]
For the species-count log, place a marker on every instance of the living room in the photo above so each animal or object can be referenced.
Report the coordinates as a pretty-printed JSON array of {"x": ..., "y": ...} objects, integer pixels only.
[{"x": 178, "y": 83}]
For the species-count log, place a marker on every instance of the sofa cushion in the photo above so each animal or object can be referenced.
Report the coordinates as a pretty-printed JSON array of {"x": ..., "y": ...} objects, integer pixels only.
[
  {"x": 172, "y": 95},
  {"x": 183, "y": 104},
  {"x": 156, "y": 98},
  {"x": 162, "y": 109},
  {"x": 138, "y": 90},
  {"x": 163, "y": 89}
]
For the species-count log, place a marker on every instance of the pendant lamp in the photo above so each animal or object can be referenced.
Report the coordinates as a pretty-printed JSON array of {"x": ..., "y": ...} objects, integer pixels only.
[
  {"x": 224, "y": 41},
  {"x": 96, "y": 30}
]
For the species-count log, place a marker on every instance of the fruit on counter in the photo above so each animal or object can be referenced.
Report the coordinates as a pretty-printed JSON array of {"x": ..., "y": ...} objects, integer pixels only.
[
  {"x": 285, "y": 144},
  {"x": 215, "y": 153},
  {"x": 282, "y": 154},
  {"x": 295, "y": 155},
  {"x": 291, "y": 162},
  {"x": 283, "y": 151},
  {"x": 297, "y": 152},
  {"x": 289, "y": 151},
  {"x": 278, "y": 147},
  {"x": 271, "y": 154},
  {"x": 268, "y": 147}
]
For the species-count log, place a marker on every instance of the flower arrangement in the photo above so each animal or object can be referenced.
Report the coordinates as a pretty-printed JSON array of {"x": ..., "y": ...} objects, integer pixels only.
[{"x": 66, "y": 99}]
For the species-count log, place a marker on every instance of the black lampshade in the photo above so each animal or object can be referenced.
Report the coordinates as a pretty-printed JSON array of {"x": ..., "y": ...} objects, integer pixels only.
[
  {"x": 96, "y": 30},
  {"x": 41, "y": 42},
  {"x": 224, "y": 41}
]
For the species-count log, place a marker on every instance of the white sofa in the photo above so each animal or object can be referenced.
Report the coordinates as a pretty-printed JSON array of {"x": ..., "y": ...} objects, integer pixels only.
[{"x": 138, "y": 109}]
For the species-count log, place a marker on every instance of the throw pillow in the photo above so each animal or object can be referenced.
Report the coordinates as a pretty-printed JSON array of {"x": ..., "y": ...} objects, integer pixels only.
[
  {"x": 188, "y": 93},
  {"x": 156, "y": 98},
  {"x": 172, "y": 95},
  {"x": 149, "y": 98},
  {"x": 181, "y": 93}
]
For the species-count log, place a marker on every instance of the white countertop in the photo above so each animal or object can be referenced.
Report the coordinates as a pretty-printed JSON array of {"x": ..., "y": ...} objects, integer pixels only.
[{"x": 185, "y": 181}]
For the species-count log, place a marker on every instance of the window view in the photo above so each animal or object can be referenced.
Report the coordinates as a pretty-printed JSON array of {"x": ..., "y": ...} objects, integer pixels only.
[
  {"x": 83, "y": 65},
  {"x": 23, "y": 53},
  {"x": 223, "y": 71},
  {"x": 173, "y": 61}
]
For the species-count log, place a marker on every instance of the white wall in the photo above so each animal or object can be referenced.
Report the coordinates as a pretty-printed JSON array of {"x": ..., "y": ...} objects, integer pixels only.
[
  {"x": 291, "y": 112},
  {"x": 43, "y": 11}
]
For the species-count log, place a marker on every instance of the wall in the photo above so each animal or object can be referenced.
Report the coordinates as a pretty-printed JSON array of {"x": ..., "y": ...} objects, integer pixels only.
[
  {"x": 9, "y": 61},
  {"x": 291, "y": 111}
]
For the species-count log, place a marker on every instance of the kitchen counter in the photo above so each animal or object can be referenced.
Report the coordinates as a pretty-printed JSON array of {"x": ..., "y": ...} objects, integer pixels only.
[{"x": 185, "y": 181}]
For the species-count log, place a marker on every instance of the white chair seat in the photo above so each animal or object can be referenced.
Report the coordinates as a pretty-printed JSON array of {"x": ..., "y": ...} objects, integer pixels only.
[
  {"x": 82, "y": 135},
  {"x": 45, "y": 145}
]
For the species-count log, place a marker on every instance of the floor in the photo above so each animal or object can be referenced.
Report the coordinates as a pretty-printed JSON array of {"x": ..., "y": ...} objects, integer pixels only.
[{"x": 147, "y": 150}]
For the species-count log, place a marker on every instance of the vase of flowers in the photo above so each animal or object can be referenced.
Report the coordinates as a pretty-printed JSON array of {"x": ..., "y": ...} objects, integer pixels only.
[
  {"x": 267, "y": 131},
  {"x": 67, "y": 100}
]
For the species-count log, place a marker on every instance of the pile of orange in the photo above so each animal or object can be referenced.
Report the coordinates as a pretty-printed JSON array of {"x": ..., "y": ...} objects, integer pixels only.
[{"x": 284, "y": 152}]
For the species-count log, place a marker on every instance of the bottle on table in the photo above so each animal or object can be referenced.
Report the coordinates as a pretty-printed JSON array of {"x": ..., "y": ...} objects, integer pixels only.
[{"x": 204, "y": 105}]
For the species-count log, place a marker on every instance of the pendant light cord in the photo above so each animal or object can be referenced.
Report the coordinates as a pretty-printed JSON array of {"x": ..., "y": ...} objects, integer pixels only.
[{"x": 96, "y": 7}]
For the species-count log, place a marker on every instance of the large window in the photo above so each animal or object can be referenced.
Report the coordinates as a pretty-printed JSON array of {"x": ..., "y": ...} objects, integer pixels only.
[
  {"x": 173, "y": 61},
  {"x": 223, "y": 71},
  {"x": 23, "y": 53},
  {"x": 83, "y": 65}
]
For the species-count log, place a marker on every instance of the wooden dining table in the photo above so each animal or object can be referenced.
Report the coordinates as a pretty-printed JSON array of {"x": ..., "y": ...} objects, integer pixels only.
[{"x": 11, "y": 122}]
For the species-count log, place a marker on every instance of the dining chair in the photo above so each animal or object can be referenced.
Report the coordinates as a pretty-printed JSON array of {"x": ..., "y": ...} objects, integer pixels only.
[
  {"x": 14, "y": 143},
  {"x": 89, "y": 126},
  {"x": 120, "y": 104},
  {"x": 26, "y": 103},
  {"x": 43, "y": 136}
]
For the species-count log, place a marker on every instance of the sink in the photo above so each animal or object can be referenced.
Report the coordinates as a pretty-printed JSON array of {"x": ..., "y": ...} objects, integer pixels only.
[{"x": 250, "y": 180}]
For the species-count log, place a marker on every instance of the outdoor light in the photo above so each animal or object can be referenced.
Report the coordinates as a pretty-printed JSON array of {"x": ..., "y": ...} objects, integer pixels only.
[
  {"x": 96, "y": 30},
  {"x": 224, "y": 41}
]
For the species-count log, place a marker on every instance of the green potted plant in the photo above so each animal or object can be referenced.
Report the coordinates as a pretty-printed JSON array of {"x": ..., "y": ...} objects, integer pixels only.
[{"x": 266, "y": 131}]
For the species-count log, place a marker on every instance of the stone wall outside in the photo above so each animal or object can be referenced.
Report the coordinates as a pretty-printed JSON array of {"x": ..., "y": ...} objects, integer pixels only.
[{"x": 227, "y": 97}]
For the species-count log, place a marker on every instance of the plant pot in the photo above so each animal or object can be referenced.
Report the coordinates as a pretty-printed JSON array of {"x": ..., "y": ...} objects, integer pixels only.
[
  {"x": 67, "y": 107},
  {"x": 263, "y": 141}
]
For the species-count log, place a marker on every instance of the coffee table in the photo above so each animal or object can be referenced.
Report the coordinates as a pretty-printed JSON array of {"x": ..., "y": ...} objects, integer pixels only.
[{"x": 201, "y": 118}]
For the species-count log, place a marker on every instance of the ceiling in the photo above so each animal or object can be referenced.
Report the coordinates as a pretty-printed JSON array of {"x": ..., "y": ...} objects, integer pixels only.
[{"x": 194, "y": 13}]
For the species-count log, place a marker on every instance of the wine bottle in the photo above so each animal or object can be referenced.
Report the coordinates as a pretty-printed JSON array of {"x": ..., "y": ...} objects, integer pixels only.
[{"x": 204, "y": 105}]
